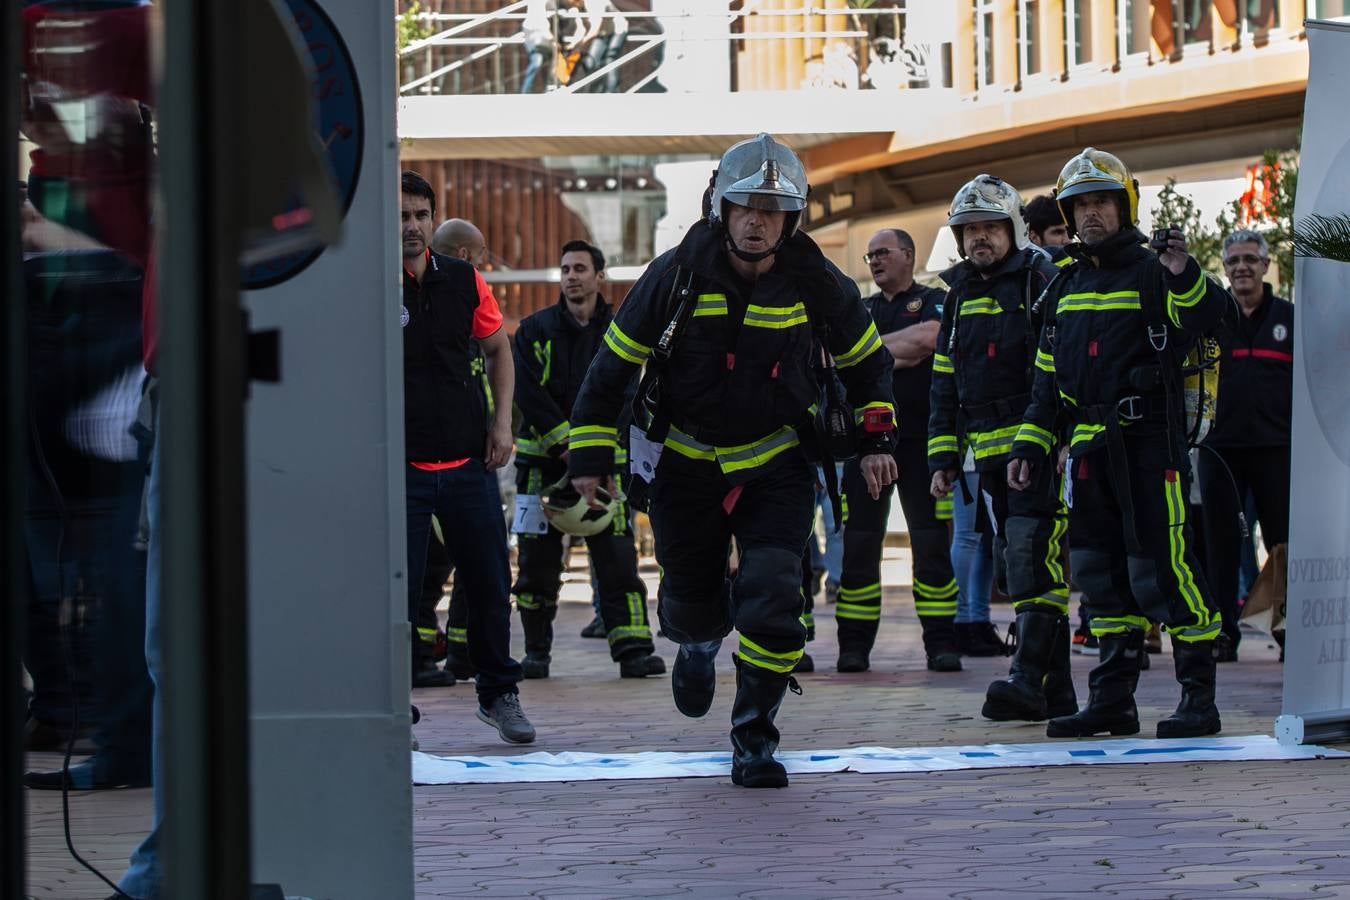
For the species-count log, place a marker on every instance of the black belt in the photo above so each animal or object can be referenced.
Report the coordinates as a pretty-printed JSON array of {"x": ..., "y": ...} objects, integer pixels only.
[
  {"x": 997, "y": 409},
  {"x": 1113, "y": 416}
]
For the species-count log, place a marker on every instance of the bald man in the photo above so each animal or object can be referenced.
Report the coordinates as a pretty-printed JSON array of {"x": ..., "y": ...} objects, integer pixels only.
[{"x": 461, "y": 239}]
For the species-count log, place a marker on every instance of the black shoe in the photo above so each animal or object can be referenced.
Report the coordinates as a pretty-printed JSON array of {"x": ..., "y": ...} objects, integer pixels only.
[
  {"x": 694, "y": 678},
  {"x": 805, "y": 664},
  {"x": 1196, "y": 714},
  {"x": 431, "y": 677},
  {"x": 1111, "y": 685},
  {"x": 754, "y": 738},
  {"x": 83, "y": 778},
  {"x": 640, "y": 665},
  {"x": 852, "y": 661},
  {"x": 535, "y": 666},
  {"x": 594, "y": 630},
  {"x": 979, "y": 639},
  {"x": 945, "y": 662}
]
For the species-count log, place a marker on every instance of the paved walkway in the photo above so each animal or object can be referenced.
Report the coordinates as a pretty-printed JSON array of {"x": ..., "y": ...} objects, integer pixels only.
[{"x": 1148, "y": 830}]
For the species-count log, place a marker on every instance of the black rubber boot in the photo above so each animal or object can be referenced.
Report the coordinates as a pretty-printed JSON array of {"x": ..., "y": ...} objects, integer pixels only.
[
  {"x": 754, "y": 738},
  {"x": 805, "y": 664},
  {"x": 457, "y": 661},
  {"x": 1111, "y": 685},
  {"x": 693, "y": 679},
  {"x": 855, "y": 644},
  {"x": 1060, "y": 697},
  {"x": 979, "y": 639},
  {"x": 424, "y": 671},
  {"x": 538, "y": 627},
  {"x": 640, "y": 664},
  {"x": 939, "y": 643},
  {"x": 1021, "y": 696},
  {"x": 1196, "y": 715}
]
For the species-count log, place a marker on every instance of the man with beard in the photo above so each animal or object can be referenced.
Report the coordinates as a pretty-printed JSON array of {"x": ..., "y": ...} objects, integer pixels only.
[
  {"x": 730, "y": 325},
  {"x": 452, "y": 446},
  {"x": 1121, "y": 319},
  {"x": 982, "y": 373},
  {"x": 553, "y": 349}
]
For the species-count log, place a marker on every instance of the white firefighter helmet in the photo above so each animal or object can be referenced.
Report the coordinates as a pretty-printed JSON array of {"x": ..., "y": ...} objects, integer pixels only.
[
  {"x": 570, "y": 514},
  {"x": 986, "y": 198},
  {"x": 762, "y": 174}
]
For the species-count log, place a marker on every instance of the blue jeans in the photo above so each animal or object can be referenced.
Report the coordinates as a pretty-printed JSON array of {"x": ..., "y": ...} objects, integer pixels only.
[
  {"x": 470, "y": 514},
  {"x": 972, "y": 559},
  {"x": 144, "y": 878},
  {"x": 832, "y": 559}
]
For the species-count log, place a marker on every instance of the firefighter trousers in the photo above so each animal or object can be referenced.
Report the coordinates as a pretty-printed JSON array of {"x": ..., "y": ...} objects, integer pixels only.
[
  {"x": 623, "y": 596},
  {"x": 1028, "y": 529},
  {"x": 1160, "y": 580},
  {"x": 858, "y": 611},
  {"x": 696, "y": 513}
]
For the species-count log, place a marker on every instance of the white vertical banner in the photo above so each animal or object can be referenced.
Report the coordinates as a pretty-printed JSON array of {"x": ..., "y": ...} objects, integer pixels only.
[{"x": 1317, "y": 670}]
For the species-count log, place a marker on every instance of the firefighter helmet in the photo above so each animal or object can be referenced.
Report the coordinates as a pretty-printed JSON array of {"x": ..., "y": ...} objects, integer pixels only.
[
  {"x": 762, "y": 174},
  {"x": 570, "y": 514},
  {"x": 1096, "y": 170},
  {"x": 986, "y": 198}
]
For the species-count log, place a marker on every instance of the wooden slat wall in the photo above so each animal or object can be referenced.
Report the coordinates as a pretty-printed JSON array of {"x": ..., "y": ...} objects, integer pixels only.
[{"x": 524, "y": 225}]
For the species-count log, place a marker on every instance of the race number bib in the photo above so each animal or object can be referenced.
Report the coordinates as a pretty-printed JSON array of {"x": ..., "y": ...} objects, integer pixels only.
[{"x": 529, "y": 517}]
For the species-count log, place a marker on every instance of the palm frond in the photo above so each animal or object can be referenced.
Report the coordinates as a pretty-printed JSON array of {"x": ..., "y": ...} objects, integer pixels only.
[{"x": 1323, "y": 237}]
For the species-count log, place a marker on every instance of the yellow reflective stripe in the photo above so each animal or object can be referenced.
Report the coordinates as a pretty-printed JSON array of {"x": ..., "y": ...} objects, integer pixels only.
[
  {"x": 427, "y": 635},
  {"x": 1103, "y": 625},
  {"x": 1045, "y": 362},
  {"x": 753, "y": 455},
  {"x": 868, "y": 343},
  {"x": 1192, "y": 634},
  {"x": 1068, "y": 399},
  {"x": 594, "y": 436},
  {"x": 626, "y": 632},
  {"x": 1059, "y": 526},
  {"x": 527, "y": 446},
  {"x": 867, "y": 591},
  {"x": 860, "y": 612},
  {"x": 980, "y": 306},
  {"x": 1085, "y": 433},
  {"x": 1063, "y": 261},
  {"x": 1176, "y": 548},
  {"x": 926, "y": 609},
  {"x": 1035, "y": 434},
  {"x": 992, "y": 443},
  {"x": 457, "y": 635},
  {"x": 755, "y": 655},
  {"x": 684, "y": 445},
  {"x": 558, "y": 433},
  {"x": 860, "y": 412},
  {"x": 944, "y": 508},
  {"x": 942, "y": 365},
  {"x": 1186, "y": 300},
  {"x": 942, "y": 443},
  {"x": 1093, "y": 302},
  {"x": 710, "y": 305},
  {"x": 776, "y": 317},
  {"x": 934, "y": 592},
  {"x": 625, "y": 347}
]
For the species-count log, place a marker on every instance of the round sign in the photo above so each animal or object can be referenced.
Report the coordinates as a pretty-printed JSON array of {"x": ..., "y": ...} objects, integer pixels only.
[{"x": 341, "y": 127}]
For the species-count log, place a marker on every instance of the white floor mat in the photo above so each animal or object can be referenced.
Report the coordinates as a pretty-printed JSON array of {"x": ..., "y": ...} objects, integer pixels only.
[{"x": 429, "y": 769}]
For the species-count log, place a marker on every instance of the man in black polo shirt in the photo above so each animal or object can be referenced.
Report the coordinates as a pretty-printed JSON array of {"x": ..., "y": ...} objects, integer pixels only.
[
  {"x": 452, "y": 447},
  {"x": 906, "y": 315},
  {"x": 1250, "y": 436}
]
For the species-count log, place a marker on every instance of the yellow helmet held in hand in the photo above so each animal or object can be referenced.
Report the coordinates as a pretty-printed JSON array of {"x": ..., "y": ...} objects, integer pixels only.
[
  {"x": 986, "y": 198},
  {"x": 1096, "y": 170},
  {"x": 569, "y": 513}
]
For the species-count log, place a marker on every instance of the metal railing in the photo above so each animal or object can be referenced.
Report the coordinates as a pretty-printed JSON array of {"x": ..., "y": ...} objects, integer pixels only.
[{"x": 834, "y": 47}]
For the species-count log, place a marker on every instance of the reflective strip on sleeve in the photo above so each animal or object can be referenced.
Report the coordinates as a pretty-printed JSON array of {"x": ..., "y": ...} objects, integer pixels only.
[
  {"x": 593, "y": 436},
  {"x": 870, "y": 342},
  {"x": 942, "y": 365},
  {"x": 1085, "y": 433},
  {"x": 1045, "y": 362},
  {"x": 1035, "y": 434},
  {"x": 1177, "y": 302},
  {"x": 625, "y": 347},
  {"x": 557, "y": 434},
  {"x": 942, "y": 443}
]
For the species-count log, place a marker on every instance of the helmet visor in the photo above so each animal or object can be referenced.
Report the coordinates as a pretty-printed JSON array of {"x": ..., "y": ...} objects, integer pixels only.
[{"x": 768, "y": 188}]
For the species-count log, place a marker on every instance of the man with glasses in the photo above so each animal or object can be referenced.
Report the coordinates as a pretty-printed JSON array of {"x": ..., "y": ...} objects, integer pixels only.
[
  {"x": 906, "y": 314},
  {"x": 1250, "y": 437}
]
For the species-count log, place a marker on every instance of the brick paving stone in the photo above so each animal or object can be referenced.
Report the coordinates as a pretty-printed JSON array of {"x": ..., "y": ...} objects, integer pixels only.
[{"x": 1194, "y": 830}]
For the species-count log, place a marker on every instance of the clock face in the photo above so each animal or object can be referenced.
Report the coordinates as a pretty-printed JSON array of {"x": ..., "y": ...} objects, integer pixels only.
[{"x": 341, "y": 127}]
